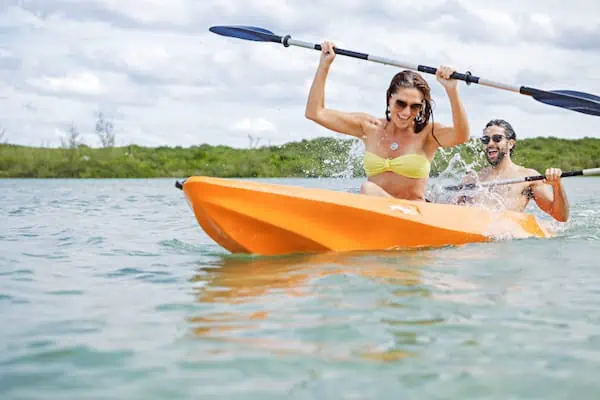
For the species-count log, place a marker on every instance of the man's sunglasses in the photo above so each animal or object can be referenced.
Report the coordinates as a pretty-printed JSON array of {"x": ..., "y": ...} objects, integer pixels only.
[{"x": 496, "y": 138}]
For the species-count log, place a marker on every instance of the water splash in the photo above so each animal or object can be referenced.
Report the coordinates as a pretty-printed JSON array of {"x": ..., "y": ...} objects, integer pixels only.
[
  {"x": 584, "y": 223},
  {"x": 353, "y": 162},
  {"x": 456, "y": 163},
  {"x": 338, "y": 157}
]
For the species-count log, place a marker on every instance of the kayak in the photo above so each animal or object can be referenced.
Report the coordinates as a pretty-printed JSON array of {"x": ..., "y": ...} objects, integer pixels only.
[{"x": 259, "y": 218}]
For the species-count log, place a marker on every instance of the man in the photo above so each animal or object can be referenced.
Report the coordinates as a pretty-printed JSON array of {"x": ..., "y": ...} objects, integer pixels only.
[{"x": 499, "y": 141}]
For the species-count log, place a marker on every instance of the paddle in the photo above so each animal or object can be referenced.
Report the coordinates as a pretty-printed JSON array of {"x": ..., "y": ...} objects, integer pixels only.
[
  {"x": 569, "y": 99},
  {"x": 591, "y": 171}
]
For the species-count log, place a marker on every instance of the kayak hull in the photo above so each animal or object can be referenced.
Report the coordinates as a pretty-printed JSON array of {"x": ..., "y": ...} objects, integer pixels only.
[{"x": 270, "y": 219}]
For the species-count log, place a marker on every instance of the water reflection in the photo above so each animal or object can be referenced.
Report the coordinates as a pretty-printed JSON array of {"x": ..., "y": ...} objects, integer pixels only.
[
  {"x": 242, "y": 279},
  {"x": 335, "y": 305}
]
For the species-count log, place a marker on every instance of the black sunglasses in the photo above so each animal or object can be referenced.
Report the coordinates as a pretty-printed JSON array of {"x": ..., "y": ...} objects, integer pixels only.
[
  {"x": 415, "y": 107},
  {"x": 496, "y": 138}
]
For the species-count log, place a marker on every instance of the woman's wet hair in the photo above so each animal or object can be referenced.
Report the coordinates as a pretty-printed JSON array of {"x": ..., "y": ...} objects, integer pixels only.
[
  {"x": 411, "y": 80},
  {"x": 508, "y": 130}
]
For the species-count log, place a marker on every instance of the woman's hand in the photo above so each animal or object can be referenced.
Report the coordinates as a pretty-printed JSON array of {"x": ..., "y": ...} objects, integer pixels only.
[
  {"x": 443, "y": 76},
  {"x": 327, "y": 53}
]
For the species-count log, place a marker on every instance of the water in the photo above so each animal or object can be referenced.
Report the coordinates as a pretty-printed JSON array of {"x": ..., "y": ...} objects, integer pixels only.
[{"x": 109, "y": 289}]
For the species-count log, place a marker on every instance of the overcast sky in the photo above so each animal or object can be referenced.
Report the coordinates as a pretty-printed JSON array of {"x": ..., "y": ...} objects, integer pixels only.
[{"x": 153, "y": 67}]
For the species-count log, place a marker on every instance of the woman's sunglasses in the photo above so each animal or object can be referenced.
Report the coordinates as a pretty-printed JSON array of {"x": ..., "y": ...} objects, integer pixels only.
[
  {"x": 415, "y": 107},
  {"x": 496, "y": 138}
]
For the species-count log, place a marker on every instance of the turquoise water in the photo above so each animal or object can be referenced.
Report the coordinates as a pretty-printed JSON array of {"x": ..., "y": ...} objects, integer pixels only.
[{"x": 109, "y": 289}]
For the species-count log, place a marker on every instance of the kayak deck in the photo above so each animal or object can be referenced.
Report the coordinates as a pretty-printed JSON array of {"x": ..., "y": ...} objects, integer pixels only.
[{"x": 270, "y": 219}]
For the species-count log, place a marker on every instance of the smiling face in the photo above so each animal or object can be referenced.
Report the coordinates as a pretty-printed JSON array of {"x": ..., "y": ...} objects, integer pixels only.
[
  {"x": 404, "y": 105},
  {"x": 497, "y": 145},
  {"x": 408, "y": 101}
]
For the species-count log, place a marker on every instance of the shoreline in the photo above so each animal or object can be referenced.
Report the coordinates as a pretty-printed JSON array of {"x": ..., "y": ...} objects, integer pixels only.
[{"x": 320, "y": 157}]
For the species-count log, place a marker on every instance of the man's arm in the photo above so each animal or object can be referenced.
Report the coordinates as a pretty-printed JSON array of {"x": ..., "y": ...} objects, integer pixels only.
[{"x": 550, "y": 195}]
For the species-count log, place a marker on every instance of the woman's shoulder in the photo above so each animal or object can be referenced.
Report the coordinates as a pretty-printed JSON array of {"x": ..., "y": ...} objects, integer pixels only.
[{"x": 372, "y": 125}]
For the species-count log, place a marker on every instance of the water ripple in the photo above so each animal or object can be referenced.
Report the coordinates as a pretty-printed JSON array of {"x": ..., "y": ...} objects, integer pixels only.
[
  {"x": 77, "y": 356},
  {"x": 108, "y": 289}
]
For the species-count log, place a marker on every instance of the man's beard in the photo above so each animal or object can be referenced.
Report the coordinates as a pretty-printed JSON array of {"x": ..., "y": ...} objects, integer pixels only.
[{"x": 499, "y": 157}]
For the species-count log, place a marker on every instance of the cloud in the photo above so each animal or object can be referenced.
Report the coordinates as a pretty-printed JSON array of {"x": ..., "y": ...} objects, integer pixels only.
[
  {"x": 257, "y": 125},
  {"x": 84, "y": 83},
  {"x": 153, "y": 67},
  {"x": 581, "y": 38},
  {"x": 8, "y": 61}
]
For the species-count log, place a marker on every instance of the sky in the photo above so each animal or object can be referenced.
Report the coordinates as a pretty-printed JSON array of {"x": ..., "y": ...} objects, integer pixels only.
[{"x": 153, "y": 68}]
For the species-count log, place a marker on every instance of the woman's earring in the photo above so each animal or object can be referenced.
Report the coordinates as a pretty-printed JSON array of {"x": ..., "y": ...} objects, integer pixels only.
[{"x": 420, "y": 116}]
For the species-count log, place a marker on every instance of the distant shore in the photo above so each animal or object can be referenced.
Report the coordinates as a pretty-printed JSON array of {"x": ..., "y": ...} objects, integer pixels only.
[{"x": 321, "y": 157}]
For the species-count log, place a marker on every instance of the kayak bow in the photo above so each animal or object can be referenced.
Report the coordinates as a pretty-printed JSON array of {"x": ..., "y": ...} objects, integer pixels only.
[{"x": 268, "y": 219}]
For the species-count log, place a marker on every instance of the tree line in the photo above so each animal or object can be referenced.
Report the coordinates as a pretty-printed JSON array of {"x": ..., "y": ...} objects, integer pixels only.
[{"x": 320, "y": 157}]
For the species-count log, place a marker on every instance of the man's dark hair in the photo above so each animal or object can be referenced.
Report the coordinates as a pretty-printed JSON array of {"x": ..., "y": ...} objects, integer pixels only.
[{"x": 508, "y": 130}]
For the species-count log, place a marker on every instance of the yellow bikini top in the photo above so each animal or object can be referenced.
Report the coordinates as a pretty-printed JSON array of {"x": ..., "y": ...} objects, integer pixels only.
[{"x": 409, "y": 165}]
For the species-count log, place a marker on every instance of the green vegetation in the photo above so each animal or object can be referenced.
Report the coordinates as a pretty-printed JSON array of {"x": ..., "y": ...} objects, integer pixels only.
[{"x": 309, "y": 158}]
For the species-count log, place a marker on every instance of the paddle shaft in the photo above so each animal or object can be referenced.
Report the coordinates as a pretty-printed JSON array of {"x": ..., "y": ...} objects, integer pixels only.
[
  {"x": 540, "y": 95},
  {"x": 468, "y": 78},
  {"x": 575, "y": 101},
  {"x": 591, "y": 171}
]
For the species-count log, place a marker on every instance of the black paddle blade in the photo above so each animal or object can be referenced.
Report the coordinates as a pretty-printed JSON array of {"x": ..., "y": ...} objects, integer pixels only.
[
  {"x": 244, "y": 32},
  {"x": 585, "y": 103}
]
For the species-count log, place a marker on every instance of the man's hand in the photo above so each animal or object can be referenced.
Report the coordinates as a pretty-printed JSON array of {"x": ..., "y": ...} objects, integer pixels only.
[{"x": 553, "y": 176}]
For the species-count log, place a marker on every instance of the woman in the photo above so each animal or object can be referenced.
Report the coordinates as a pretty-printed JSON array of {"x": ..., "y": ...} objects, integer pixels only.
[{"x": 400, "y": 147}]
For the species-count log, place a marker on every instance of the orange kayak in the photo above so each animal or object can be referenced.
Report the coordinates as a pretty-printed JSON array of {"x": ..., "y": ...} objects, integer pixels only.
[{"x": 270, "y": 219}]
